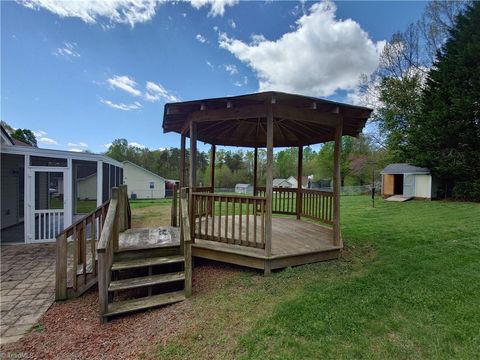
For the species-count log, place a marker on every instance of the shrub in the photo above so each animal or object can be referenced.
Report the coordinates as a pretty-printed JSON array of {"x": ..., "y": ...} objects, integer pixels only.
[{"x": 467, "y": 190}]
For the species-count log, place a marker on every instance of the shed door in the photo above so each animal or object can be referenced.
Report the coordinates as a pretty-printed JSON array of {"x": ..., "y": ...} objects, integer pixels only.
[{"x": 409, "y": 185}]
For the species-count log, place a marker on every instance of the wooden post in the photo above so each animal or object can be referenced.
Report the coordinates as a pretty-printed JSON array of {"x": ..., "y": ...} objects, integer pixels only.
[
  {"x": 337, "y": 238},
  {"x": 212, "y": 166},
  {"x": 173, "y": 209},
  {"x": 299, "y": 182},
  {"x": 182, "y": 161},
  {"x": 269, "y": 187},
  {"x": 187, "y": 243},
  {"x": 115, "y": 195},
  {"x": 255, "y": 170},
  {"x": 61, "y": 268},
  {"x": 193, "y": 173}
]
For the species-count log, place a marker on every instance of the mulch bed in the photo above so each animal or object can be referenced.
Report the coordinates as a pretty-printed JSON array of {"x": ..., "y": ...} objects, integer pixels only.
[{"x": 72, "y": 330}]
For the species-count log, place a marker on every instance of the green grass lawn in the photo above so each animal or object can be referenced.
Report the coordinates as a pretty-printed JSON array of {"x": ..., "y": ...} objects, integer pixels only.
[{"x": 407, "y": 286}]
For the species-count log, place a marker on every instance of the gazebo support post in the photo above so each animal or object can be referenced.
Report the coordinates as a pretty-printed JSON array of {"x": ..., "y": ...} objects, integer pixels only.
[
  {"x": 299, "y": 182},
  {"x": 255, "y": 169},
  {"x": 192, "y": 174},
  {"x": 269, "y": 187},
  {"x": 182, "y": 184},
  {"x": 212, "y": 178},
  {"x": 337, "y": 238}
]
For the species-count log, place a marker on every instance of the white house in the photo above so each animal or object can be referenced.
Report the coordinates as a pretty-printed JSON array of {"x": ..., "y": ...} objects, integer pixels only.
[
  {"x": 142, "y": 183},
  {"x": 407, "y": 181},
  {"x": 40, "y": 191}
]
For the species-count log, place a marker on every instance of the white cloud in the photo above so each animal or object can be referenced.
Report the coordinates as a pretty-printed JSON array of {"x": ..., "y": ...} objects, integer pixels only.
[
  {"x": 47, "y": 141},
  {"x": 323, "y": 54},
  {"x": 156, "y": 92},
  {"x": 125, "y": 83},
  {"x": 39, "y": 133},
  {"x": 231, "y": 69},
  {"x": 75, "y": 150},
  {"x": 201, "y": 38},
  {"x": 232, "y": 24},
  {"x": 108, "y": 145},
  {"x": 210, "y": 65},
  {"x": 111, "y": 12},
  {"x": 241, "y": 83},
  {"x": 68, "y": 50},
  {"x": 217, "y": 7},
  {"x": 80, "y": 144},
  {"x": 121, "y": 106},
  {"x": 138, "y": 145},
  {"x": 128, "y": 12}
]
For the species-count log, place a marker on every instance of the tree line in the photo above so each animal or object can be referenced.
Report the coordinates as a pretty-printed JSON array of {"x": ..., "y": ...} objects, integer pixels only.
[{"x": 426, "y": 96}]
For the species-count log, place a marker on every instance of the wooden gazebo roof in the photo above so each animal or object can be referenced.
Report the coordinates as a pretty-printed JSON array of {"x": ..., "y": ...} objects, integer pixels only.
[{"x": 242, "y": 120}]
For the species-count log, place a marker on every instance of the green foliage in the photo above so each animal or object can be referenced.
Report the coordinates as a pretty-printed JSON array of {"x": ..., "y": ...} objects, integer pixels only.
[
  {"x": 446, "y": 135},
  {"x": 25, "y": 136},
  {"x": 467, "y": 190}
]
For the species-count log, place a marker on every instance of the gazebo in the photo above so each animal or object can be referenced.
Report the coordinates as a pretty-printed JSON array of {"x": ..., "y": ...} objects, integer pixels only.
[{"x": 241, "y": 229}]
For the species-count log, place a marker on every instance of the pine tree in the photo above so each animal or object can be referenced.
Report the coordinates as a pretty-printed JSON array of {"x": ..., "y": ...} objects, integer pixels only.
[{"x": 445, "y": 135}]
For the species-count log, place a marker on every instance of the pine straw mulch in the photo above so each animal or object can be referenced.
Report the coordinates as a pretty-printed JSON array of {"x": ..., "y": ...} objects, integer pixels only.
[{"x": 71, "y": 329}]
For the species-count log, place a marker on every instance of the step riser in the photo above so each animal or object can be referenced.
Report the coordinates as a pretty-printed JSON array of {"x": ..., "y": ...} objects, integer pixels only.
[{"x": 146, "y": 253}]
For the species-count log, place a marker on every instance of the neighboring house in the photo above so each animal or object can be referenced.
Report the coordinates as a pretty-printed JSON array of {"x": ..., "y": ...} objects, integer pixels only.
[
  {"x": 282, "y": 183},
  {"x": 244, "y": 189},
  {"x": 407, "y": 180},
  {"x": 142, "y": 183},
  {"x": 87, "y": 187},
  {"x": 291, "y": 182},
  {"x": 39, "y": 192}
]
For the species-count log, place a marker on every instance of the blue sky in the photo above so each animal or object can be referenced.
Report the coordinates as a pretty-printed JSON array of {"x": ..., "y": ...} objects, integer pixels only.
[{"x": 81, "y": 74}]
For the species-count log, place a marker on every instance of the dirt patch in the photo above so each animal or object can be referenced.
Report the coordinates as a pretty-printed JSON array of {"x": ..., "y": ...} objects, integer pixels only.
[{"x": 71, "y": 329}]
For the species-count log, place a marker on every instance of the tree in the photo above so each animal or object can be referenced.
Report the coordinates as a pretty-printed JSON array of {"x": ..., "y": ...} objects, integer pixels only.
[
  {"x": 25, "y": 135},
  {"x": 446, "y": 133}
]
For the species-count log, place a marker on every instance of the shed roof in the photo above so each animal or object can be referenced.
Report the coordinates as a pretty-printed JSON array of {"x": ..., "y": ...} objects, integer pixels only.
[
  {"x": 241, "y": 120},
  {"x": 404, "y": 169},
  {"x": 126, "y": 162}
]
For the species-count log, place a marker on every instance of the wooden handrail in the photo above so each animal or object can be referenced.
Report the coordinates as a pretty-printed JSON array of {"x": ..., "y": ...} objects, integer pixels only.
[
  {"x": 106, "y": 235},
  {"x": 69, "y": 230}
]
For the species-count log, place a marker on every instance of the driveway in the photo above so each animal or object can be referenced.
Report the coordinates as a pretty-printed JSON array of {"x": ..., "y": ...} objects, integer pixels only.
[{"x": 27, "y": 287}]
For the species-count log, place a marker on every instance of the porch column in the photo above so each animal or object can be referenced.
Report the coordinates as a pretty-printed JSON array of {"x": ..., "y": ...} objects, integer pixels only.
[
  {"x": 99, "y": 183},
  {"x": 299, "y": 181},
  {"x": 337, "y": 238},
  {"x": 182, "y": 161},
  {"x": 212, "y": 166},
  {"x": 269, "y": 186},
  {"x": 255, "y": 169}
]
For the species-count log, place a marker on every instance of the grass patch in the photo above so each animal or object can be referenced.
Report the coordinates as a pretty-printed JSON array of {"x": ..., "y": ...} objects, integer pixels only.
[
  {"x": 406, "y": 287},
  {"x": 139, "y": 204}
]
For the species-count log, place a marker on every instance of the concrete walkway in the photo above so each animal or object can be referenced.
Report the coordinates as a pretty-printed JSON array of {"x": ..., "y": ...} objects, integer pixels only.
[{"x": 27, "y": 287}]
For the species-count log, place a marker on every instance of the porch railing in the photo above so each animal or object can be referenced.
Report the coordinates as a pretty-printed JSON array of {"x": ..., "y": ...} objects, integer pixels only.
[
  {"x": 231, "y": 219},
  {"x": 76, "y": 251}
]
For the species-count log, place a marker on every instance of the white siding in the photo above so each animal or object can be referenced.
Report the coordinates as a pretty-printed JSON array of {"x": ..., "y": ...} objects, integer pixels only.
[
  {"x": 423, "y": 186},
  {"x": 138, "y": 182}
]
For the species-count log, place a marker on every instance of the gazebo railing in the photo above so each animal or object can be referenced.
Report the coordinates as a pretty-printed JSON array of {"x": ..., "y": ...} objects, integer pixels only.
[
  {"x": 230, "y": 219},
  {"x": 317, "y": 205},
  {"x": 284, "y": 200}
]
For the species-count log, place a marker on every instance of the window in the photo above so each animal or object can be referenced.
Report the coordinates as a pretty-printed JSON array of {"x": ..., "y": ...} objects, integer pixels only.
[
  {"x": 47, "y": 161},
  {"x": 152, "y": 185}
]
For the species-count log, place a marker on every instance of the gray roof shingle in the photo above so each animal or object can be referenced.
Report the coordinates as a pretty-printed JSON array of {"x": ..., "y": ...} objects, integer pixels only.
[{"x": 404, "y": 169}]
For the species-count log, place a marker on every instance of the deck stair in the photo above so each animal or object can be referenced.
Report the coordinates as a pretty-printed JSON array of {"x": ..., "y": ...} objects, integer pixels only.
[{"x": 139, "y": 282}]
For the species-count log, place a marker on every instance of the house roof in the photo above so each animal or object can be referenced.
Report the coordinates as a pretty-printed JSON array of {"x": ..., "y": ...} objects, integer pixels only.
[
  {"x": 404, "y": 169},
  {"x": 6, "y": 135},
  {"x": 35, "y": 151},
  {"x": 277, "y": 182},
  {"x": 145, "y": 170},
  {"x": 242, "y": 120}
]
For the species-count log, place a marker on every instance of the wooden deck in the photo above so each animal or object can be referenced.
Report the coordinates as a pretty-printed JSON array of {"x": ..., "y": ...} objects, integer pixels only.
[{"x": 294, "y": 242}]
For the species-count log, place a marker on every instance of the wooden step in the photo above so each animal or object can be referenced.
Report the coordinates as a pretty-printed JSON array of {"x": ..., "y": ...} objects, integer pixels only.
[
  {"x": 152, "y": 261},
  {"x": 141, "y": 281},
  {"x": 126, "y": 306}
]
